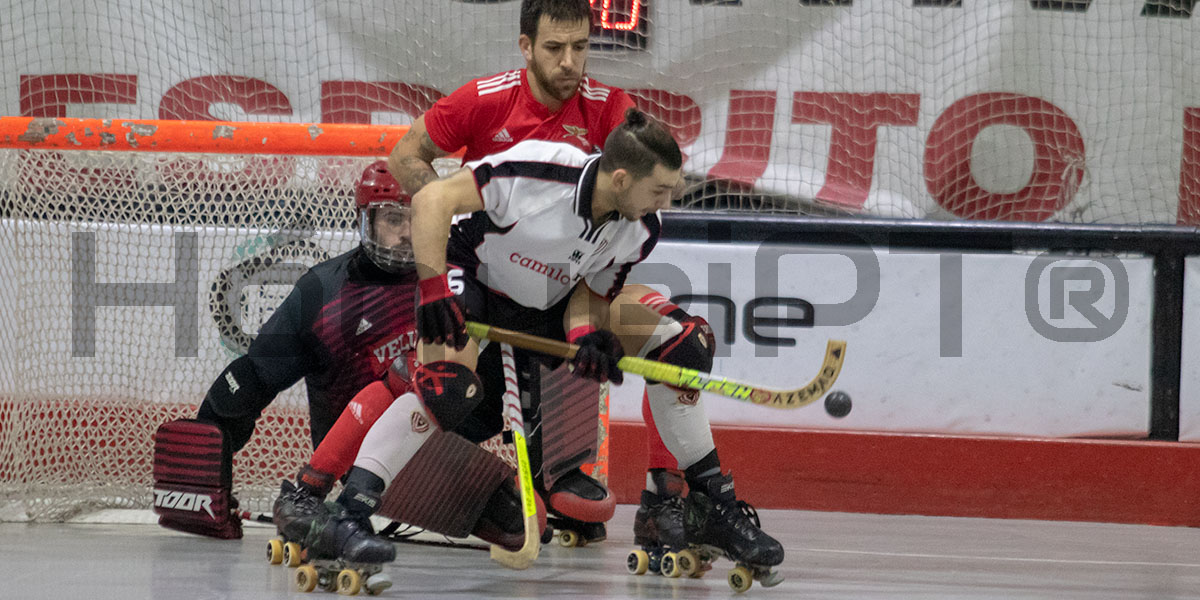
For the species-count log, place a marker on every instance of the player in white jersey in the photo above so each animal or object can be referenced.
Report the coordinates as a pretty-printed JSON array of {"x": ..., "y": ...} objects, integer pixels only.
[
  {"x": 552, "y": 236},
  {"x": 553, "y": 98},
  {"x": 537, "y": 235}
]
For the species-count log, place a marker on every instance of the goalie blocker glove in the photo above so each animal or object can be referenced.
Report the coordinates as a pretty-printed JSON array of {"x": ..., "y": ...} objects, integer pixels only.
[{"x": 193, "y": 475}]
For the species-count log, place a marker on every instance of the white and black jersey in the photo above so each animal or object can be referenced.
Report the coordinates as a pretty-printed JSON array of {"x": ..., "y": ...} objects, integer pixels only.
[{"x": 535, "y": 238}]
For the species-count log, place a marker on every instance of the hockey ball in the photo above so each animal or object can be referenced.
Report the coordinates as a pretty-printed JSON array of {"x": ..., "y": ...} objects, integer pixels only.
[{"x": 838, "y": 404}]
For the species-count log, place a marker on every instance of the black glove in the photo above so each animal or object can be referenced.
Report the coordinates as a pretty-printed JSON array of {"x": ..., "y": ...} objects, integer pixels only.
[
  {"x": 597, "y": 356},
  {"x": 440, "y": 317}
]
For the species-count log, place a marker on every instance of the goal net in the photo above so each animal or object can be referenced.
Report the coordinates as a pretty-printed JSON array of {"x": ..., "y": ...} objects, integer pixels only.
[{"x": 133, "y": 277}]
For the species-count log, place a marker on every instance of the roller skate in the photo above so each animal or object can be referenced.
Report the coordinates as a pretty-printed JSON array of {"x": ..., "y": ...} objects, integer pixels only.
[
  {"x": 343, "y": 551},
  {"x": 579, "y": 506},
  {"x": 718, "y": 524},
  {"x": 345, "y": 556},
  {"x": 573, "y": 533},
  {"x": 658, "y": 530},
  {"x": 658, "y": 525},
  {"x": 294, "y": 512}
]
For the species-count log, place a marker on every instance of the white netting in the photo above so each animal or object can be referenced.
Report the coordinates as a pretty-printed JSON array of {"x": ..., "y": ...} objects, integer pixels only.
[
  {"x": 85, "y": 383},
  {"x": 102, "y": 253}
]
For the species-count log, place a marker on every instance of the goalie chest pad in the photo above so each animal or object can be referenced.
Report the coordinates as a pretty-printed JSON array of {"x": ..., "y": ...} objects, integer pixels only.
[{"x": 193, "y": 477}]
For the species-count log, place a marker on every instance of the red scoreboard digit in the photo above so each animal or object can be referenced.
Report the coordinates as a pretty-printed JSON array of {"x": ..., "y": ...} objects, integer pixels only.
[{"x": 619, "y": 24}]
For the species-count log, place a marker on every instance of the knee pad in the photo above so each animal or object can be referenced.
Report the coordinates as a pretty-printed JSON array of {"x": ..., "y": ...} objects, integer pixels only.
[
  {"x": 448, "y": 390},
  {"x": 694, "y": 348}
]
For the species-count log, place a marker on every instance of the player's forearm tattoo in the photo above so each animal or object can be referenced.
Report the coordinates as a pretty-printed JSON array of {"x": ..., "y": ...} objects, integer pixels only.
[{"x": 416, "y": 171}]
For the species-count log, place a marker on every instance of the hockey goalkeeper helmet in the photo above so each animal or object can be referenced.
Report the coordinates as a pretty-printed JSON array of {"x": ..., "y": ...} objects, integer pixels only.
[{"x": 384, "y": 219}]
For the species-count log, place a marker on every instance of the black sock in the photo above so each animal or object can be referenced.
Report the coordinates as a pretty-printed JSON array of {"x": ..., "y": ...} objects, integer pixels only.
[
  {"x": 706, "y": 468},
  {"x": 361, "y": 494},
  {"x": 665, "y": 483}
]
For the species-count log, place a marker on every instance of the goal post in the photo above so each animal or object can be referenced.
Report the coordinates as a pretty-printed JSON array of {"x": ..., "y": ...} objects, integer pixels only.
[
  {"x": 199, "y": 137},
  {"x": 137, "y": 258}
]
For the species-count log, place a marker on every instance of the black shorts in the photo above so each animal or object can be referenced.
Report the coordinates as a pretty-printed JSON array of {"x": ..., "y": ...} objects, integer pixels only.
[{"x": 486, "y": 306}]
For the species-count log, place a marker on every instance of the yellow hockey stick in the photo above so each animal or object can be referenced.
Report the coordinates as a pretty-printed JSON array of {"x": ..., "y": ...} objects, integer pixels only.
[
  {"x": 831, "y": 367},
  {"x": 523, "y": 558}
]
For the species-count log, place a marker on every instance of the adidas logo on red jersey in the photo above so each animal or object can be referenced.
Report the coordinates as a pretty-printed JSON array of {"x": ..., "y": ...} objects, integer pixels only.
[{"x": 502, "y": 136}]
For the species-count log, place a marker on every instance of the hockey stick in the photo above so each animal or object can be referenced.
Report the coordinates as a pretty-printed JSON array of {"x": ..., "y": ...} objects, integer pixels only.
[
  {"x": 389, "y": 532},
  {"x": 521, "y": 559},
  {"x": 831, "y": 367}
]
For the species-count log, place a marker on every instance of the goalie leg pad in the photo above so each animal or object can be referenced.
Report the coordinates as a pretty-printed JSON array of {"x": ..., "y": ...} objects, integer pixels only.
[
  {"x": 564, "y": 437},
  {"x": 445, "y": 486},
  {"x": 193, "y": 468},
  {"x": 450, "y": 391},
  {"x": 569, "y": 411}
]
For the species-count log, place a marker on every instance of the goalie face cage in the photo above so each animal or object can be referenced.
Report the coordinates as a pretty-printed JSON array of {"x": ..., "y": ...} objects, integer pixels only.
[{"x": 137, "y": 258}]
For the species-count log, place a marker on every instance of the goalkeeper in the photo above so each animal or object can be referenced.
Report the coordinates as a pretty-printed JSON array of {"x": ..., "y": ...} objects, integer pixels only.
[{"x": 341, "y": 327}]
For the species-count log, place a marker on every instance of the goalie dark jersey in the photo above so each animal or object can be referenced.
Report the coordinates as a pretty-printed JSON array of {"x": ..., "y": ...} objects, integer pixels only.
[{"x": 339, "y": 329}]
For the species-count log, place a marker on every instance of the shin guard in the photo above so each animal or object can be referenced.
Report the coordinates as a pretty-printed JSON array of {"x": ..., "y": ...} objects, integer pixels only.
[{"x": 335, "y": 454}]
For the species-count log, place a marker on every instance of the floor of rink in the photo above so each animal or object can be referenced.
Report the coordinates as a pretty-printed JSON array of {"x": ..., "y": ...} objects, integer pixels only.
[{"x": 829, "y": 555}]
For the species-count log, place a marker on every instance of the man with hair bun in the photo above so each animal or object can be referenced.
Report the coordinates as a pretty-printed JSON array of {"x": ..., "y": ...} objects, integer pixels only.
[
  {"x": 553, "y": 99},
  {"x": 551, "y": 235}
]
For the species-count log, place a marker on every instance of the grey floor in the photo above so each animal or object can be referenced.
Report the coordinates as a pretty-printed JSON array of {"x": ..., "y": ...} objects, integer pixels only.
[{"x": 829, "y": 555}]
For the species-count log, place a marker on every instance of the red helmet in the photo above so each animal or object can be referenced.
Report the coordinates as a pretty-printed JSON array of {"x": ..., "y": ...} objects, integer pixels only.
[
  {"x": 378, "y": 185},
  {"x": 383, "y": 218}
]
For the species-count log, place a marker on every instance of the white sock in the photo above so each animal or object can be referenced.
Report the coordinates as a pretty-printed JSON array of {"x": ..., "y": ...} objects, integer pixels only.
[
  {"x": 683, "y": 425},
  {"x": 393, "y": 440}
]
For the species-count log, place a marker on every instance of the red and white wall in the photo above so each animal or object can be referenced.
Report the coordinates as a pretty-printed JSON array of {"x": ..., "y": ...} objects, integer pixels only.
[{"x": 1074, "y": 111}]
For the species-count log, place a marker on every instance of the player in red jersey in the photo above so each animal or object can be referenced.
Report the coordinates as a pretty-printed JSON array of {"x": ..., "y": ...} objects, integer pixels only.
[{"x": 553, "y": 99}]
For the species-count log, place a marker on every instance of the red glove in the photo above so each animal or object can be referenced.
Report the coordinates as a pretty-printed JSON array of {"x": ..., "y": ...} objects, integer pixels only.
[{"x": 440, "y": 317}]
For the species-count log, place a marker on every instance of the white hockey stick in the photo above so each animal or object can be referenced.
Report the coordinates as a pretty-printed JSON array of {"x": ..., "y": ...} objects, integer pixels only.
[
  {"x": 523, "y": 558},
  {"x": 831, "y": 367}
]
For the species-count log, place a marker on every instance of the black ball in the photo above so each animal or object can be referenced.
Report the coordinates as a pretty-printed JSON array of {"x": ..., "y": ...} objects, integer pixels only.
[{"x": 838, "y": 404}]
